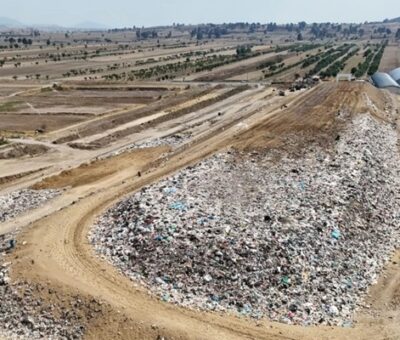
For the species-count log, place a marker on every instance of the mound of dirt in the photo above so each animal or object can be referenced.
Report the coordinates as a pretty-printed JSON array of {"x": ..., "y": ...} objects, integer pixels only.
[
  {"x": 172, "y": 115},
  {"x": 320, "y": 113},
  {"x": 99, "y": 169},
  {"x": 18, "y": 150}
]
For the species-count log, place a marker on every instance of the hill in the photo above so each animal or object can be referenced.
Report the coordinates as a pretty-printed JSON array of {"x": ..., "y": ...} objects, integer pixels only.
[
  {"x": 89, "y": 25},
  {"x": 8, "y": 22}
]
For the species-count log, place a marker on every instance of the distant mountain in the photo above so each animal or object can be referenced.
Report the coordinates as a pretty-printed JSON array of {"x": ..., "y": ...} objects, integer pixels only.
[
  {"x": 11, "y": 23},
  {"x": 86, "y": 25},
  {"x": 89, "y": 25}
]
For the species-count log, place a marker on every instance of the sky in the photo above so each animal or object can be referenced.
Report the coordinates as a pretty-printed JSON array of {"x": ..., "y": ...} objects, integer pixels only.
[{"x": 128, "y": 13}]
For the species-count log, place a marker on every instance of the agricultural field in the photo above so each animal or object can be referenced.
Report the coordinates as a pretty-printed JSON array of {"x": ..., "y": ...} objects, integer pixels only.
[
  {"x": 199, "y": 182},
  {"x": 391, "y": 58}
]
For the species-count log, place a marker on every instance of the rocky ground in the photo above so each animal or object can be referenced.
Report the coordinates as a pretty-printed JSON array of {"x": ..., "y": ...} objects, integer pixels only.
[
  {"x": 32, "y": 311},
  {"x": 26, "y": 311},
  {"x": 18, "y": 202},
  {"x": 296, "y": 237}
]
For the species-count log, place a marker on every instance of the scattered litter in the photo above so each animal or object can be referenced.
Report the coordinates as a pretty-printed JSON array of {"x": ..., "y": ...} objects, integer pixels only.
[
  {"x": 173, "y": 141},
  {"x": 25, "y": 315},
  {"x": 336, "y": 234},
  {"x": 18, "y": 202}
]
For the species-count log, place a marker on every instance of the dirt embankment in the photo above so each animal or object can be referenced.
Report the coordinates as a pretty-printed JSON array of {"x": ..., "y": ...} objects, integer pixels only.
[
  {"x": 100, "y": 169},
  {"x": 172, "y": 115},
  {"x": 324, "y": 109},
  {"x": 18, "y": 150},
  {"x": 9, "y": 179},
  {"x": 113, "y": 121}
]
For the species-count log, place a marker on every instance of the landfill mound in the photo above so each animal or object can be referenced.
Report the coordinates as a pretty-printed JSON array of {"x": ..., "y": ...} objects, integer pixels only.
[{"x": 297, "y": 240}]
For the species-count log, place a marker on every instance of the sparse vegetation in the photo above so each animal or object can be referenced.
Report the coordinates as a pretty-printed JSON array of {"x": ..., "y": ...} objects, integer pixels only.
[
  {"x": 330, "y": 57},
  {"x": 9, "y": 106},
  {"x": 3, "y": 141},
  {"x": 338, "y": 66},
  {"x": 362, "y": 67},
  {"x": 377, "y": 59}
]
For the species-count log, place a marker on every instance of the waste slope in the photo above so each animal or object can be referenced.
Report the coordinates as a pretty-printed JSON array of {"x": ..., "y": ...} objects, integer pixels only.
[{"x": 298, "y": 240}]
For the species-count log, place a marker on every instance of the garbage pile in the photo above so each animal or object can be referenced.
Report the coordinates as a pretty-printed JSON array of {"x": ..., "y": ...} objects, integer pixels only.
[
  {"x": 174, "y": 141},
  {"x": 17, "y": 202},
  {"x": 297, "y": 238},
  {"x": 5, "y": 244},
  {"x": 24, "y": 315}
]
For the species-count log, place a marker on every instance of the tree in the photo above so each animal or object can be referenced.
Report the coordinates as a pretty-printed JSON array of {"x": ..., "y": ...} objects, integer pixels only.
[
  {"x": 243, "y": 50},
  {"x": 290, "y": 27},
  {"x": 398, "y": 34},
  {"x": 302, "y": 25},
  {"x": 299, "y": 37},
  {"x": 27, "y": 41},
  {"x": 271, "y": 27}
]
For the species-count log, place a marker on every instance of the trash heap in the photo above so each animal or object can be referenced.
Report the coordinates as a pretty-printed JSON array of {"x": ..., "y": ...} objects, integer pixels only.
[
  {"x": 174, "y": 141},
  {"x": 297, "y": 238},
  {"x": 17, "y": 202},
  {"x": 25, "y": 315}
]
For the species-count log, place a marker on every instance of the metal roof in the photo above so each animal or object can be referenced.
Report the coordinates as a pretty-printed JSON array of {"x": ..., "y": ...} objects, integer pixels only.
[
  {"x": 382, "y": 80},
  {"x": 395, "y": 74}
]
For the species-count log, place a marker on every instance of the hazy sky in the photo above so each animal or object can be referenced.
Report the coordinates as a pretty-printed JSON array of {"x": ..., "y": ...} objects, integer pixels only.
[{"x": 119, "y": 13}]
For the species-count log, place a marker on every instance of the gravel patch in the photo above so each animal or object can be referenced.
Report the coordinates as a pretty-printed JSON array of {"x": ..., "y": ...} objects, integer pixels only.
[{"x": 299, "y": 240}]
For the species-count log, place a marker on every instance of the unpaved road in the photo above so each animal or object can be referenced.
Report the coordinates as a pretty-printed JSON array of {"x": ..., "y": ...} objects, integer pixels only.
[{"x": 58, "y": 255}]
